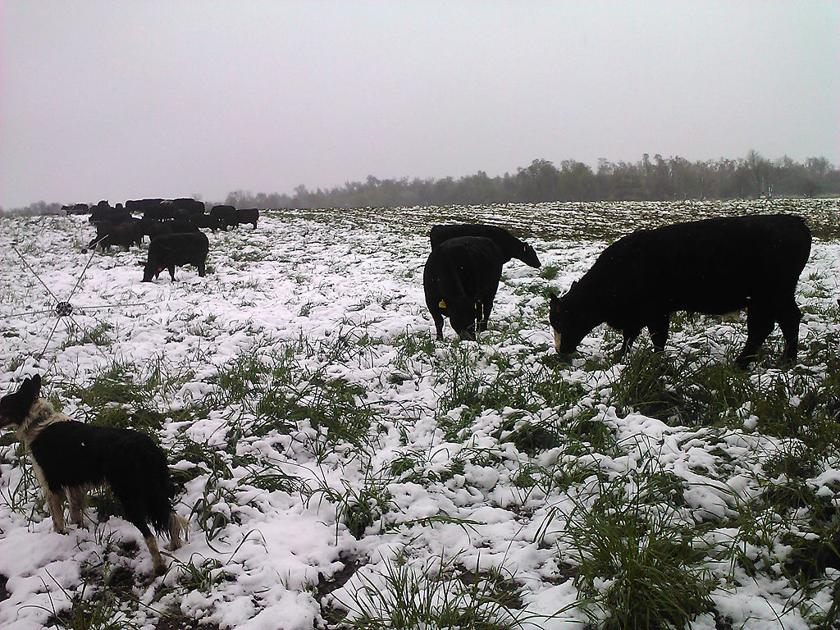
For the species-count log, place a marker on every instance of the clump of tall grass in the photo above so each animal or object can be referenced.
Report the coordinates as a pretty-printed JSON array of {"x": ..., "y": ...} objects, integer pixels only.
[
  {"x": 692, "y": 391},
  {"x": 358, "y": 506},
  {"x": 435, "y": 593},
  {"x": 632, "y": 551},
  {"x": 97, "y": 335}
]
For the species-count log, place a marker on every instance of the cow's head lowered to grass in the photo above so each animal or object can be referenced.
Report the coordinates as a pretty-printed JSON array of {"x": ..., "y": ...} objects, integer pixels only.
[
  {"x": 566, "y": 324},
  {"x": 528, "y": 255}
]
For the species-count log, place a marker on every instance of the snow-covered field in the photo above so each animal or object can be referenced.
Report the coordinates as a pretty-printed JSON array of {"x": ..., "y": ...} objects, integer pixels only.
[{"x": 341, "y": 469}]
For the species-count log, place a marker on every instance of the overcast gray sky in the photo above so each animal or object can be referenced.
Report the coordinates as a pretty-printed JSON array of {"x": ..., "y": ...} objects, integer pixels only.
[{"x": 119, "y": 100}]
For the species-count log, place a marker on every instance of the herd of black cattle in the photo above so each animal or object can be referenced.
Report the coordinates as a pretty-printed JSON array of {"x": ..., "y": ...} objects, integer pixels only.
[
  {"x": 712, "y": 266},
  {"x": 172, "y": 225}
]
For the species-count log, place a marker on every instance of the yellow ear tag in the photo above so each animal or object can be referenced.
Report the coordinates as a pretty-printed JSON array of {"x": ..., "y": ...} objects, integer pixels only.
[{"x": 441, "y": 304}]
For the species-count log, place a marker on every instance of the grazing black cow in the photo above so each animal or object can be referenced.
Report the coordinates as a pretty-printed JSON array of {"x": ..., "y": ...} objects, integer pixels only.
[
  {"x": 713, "y": 266},
  {"x": 247, "y": 215},
  {"x": 170, "y": 250},
  {"x": 226, "y": 215},
  {"x": 206, "y": 221},
  {"x": 123, "y": 234},
  {"x": 511, "y": 245},
  {"x": 460, "y": 280}
]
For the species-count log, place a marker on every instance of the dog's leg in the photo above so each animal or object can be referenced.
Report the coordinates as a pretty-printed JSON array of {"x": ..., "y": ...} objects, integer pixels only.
[
  {"x": 55, "y": 502},
  {"x": 157, "y": 561},
  {"x": 76, "y": 498},
  {"x": 177, "y": 525}
]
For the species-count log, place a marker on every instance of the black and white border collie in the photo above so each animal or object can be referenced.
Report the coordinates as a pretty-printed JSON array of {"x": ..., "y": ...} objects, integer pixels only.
[{"x": 72, "y": 457}]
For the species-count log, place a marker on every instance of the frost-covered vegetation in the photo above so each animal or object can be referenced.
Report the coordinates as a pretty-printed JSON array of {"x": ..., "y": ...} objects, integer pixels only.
[{"x": 340, "y": 469}]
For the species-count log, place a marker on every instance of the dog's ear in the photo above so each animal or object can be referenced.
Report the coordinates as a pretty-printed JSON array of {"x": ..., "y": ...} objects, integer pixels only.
[
  {"x": 35, "y": 385},
  {"x": 14, "y": 407},
  {"x": 29, "y": 390}
]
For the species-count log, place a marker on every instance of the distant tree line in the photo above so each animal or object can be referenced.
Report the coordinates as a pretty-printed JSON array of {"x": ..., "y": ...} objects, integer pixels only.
[
  {"x": 654, "y": 178},
  {"x": 648, "y": 179},
  {"x": 34, "y": 209}
]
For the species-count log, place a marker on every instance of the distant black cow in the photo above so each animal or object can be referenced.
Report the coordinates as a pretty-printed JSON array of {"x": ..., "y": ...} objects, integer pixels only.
[
  {"x": 170, "y": 250},
  {"x": 206, "y": 221},
  {"x": 123, "y": 234},
  {"x": 511, "y": 245},
  {"x": 226, "y": 215},
  {"x": 713, "y": 266},
  {"x": 247, "y": 215},
  {"x": 460, "y": 280}
]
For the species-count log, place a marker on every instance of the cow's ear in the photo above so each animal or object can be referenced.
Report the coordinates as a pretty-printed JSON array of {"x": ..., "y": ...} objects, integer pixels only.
[{"x": 573, "y": 285}]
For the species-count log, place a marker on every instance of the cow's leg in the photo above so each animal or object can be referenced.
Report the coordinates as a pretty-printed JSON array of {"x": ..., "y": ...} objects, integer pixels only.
[
  {"x": 201, "y": 269},
  {"x": 438, "y": 319},
  {"x": 759, "y": 326},
  {"x": 437, "y": 315},
  {"x": 788, "y": 317},
  {"x": 658, "y": 329},
  {"x": 171, "y": 269},
  {"x": 630, "y": 334},
  {"x": 486, "y": 308},
  {"x": 434, "y": 300}
]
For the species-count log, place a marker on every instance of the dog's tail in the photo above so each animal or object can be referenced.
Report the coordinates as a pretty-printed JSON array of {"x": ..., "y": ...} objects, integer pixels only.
[{"x": 159, "y": 492}]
